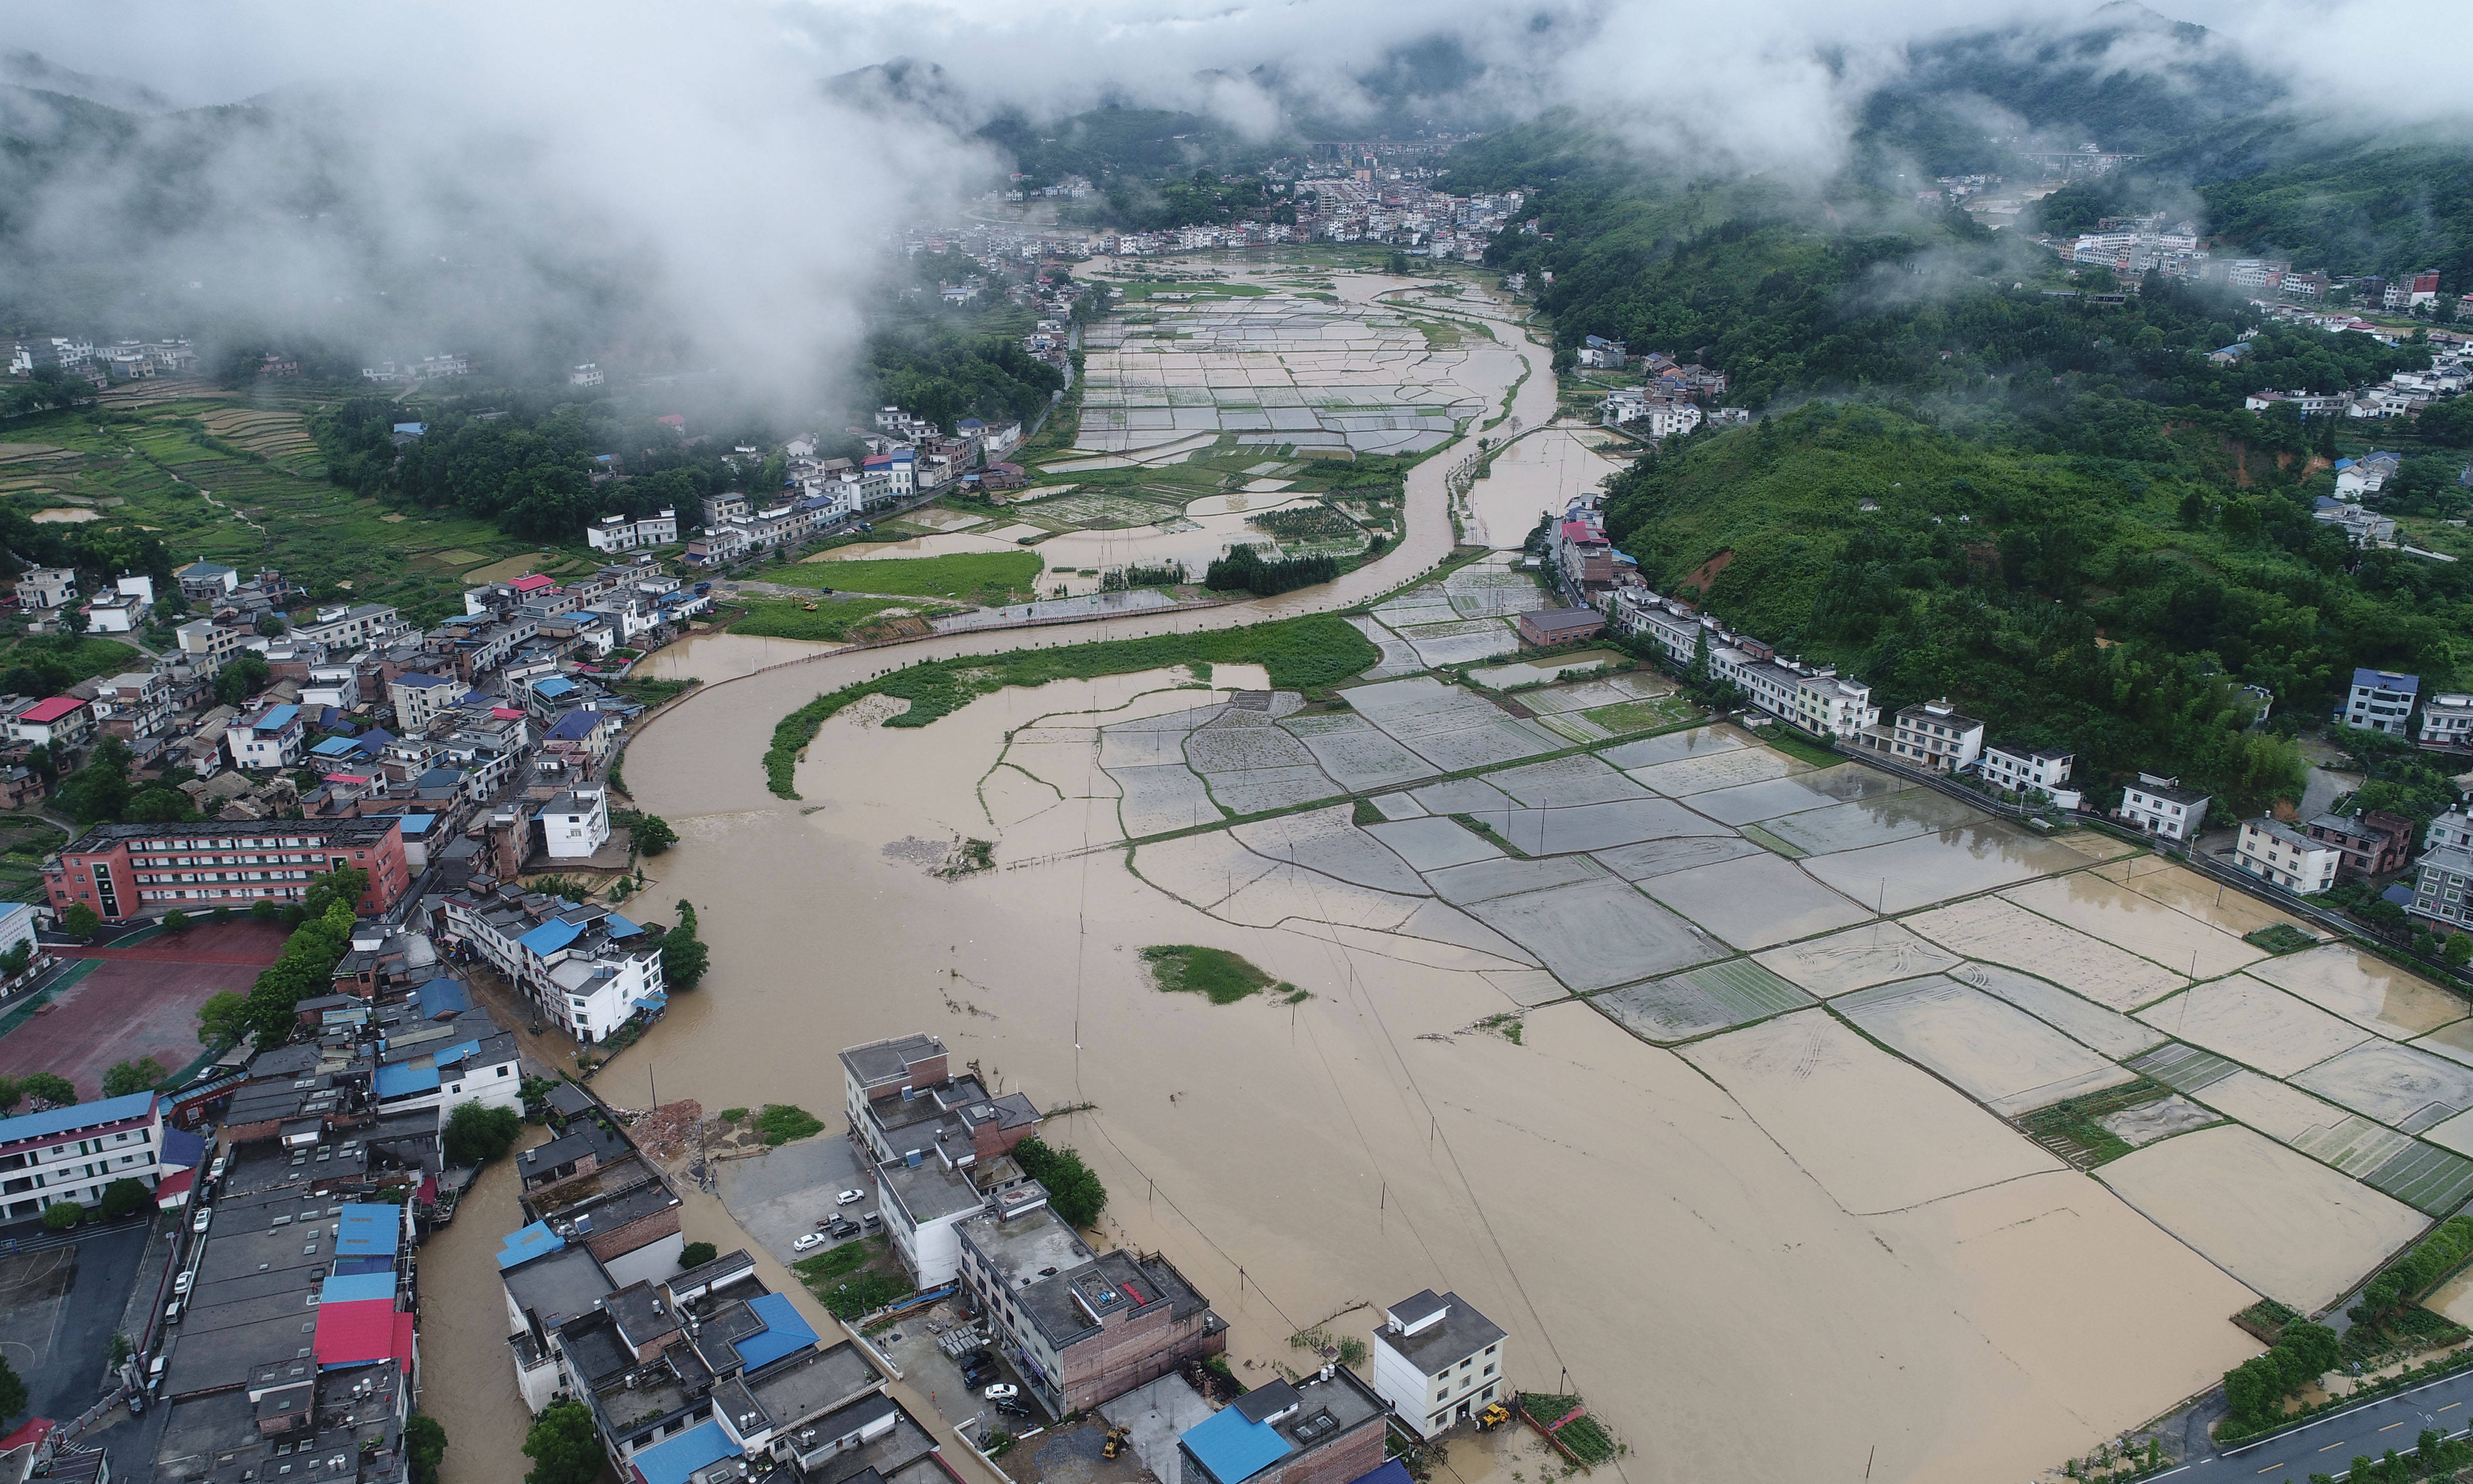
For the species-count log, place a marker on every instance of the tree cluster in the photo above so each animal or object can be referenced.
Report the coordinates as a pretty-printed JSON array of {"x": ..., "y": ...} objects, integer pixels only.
[
  {"x": 685, "y": 957},
  {"x": 1073, "y": 1188},
  {"x": 306, "y": 968},
  {"x": 477, "y": 1135},
  {"x": 1245, "y": 570},
  {"x": 2254, "y": 1391}
]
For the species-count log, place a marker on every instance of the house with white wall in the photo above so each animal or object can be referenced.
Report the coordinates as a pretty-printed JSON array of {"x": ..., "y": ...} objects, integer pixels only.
[{"x": 1438, "y": 1361}]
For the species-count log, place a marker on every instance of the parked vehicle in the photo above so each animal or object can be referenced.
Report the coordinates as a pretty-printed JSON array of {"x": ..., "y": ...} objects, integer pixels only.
[
  {"x": 1001, "y": 1390},
  {"x": 811, "y": 1239},
  {"x": 849, "y": 1198},
  {"x": 198, "y": 1223},
  {"x": 181, "y": 1284},
  {"x": 871, "y": 1221}
]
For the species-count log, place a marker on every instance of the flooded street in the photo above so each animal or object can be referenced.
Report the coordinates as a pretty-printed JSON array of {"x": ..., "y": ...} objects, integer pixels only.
[{"x": 467, "y": 1380}]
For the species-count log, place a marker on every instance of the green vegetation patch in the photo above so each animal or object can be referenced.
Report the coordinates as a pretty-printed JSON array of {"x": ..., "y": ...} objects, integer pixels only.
[
  {"x": 1182, "y": 968},
  {"x": 1301, "y": 654},
  {"x": 2280, "y": 938},
  {"x": 2071, "y": 1129},
  {"x": 994, "y": 575},
  {"x": 782, "y": 1123},
  {"x": 835, "y": 621},
  {"x": 854, "y": 1279}
]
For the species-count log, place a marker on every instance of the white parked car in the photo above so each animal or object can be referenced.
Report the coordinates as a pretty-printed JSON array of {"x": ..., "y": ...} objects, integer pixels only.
[
  {"x": 200, "y": 1224},
  {"x": 850, "y": 1196},
  {"x": 181, "y": 1284},
  {"x": 1001, "y": 1390},
  {"x": 811, "y": 1239}
]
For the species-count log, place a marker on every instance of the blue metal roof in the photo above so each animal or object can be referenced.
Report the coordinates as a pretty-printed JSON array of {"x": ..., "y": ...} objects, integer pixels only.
[
  {"x": 784, "y": 1332},
  {"x": 370, "y": 1230},
  {"x": 417, "y": 825},
  {"x": 276, "y": 718},
  {"x": 553, "y": 685},
  {"x": 443, "y": 996},
  {"x": 573, "y": 727},
  {"x": 419, "y": 681},
  {"x": 672, "y": 1462},
  {"x": 617, "y": 927},
  {"x": 525, "y": 1243},
  {"x": 80, "y": 1116},
  {"x": 181, "y": 1150},
  {"x": 346, "y": 1289},
  {"x": 1234, "y": 1448},
  {"x": 454, "y": 1053},
  {"x": 403, "y": 1079},
  {"x": 2387, "y": 680},
  {"x": 335, "y": 747},
  {"x": 550, "y": 937},
  {"x": 1392, "y": 1472}
]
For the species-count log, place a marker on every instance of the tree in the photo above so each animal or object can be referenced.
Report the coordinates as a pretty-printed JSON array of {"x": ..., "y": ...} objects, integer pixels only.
[
  {"x": 272, "y": 626},
  {"x": 221, "y": 914},
  {"x": 684, "y": 956},
  {"x": 51, "y": 1086},
  {"x": 176, "y": 921},
  {"x": 1073, "y": 1188},
  {"x": 695, "y": 1255},
  {"x": 60, "y": 1215},
  {"x": 563, "y": 1447},
  {"x": 98, "y": 793},
  {"x": 224, "y": 1018},
  {"x": 424, "y": 1444},
  {"x": 11, "y": 1093},
  {"x": 14, "y": 961},
  {"x": 477, "y": 1135},
  {"x": 80, "y": 920},
  {"x": 126, "y": 1077},
  {"x": 158, "y": 806},
  {"x": 2459, "y": 950},
  {"x": 242, "y": 677},
  {"x": 264, "y": 909},
  {"x": 12, "y": 1391},
  {"x": 125, "y": 1197},
  {"x": 652, "y": 833}
]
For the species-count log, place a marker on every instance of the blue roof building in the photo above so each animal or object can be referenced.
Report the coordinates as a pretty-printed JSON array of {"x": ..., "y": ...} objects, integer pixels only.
[
  {"x": 2380, "y": 701},
  {"x": 673, "y": 1460},
  {"x": 368, "y": 1230}
]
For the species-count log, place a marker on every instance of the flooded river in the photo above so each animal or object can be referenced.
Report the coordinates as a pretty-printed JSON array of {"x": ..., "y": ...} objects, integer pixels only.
[{"x": 1644, "y": 1241}]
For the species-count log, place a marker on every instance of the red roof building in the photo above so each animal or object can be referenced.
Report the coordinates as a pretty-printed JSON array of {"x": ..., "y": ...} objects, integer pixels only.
[
  {"x": 531, "y": 584},
  {"x": 359, "y": 1332}
]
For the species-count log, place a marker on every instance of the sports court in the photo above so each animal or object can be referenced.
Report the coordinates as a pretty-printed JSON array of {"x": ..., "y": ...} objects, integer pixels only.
[{"x": 136, "y": 1001}]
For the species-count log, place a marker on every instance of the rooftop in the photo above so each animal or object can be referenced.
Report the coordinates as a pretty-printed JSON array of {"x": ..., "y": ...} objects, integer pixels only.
[
  {"x": 882, "y": 1063},
  {"x": 2386, "y": 680},
  {"x": 1459, "y": 1333}
]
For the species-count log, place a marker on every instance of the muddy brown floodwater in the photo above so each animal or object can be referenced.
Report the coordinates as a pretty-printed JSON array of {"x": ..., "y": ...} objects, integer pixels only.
[{"x": 1730, "y": 1312}]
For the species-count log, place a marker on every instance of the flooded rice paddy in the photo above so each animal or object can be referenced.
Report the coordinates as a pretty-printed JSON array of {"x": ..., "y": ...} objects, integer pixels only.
[{"x": 1690, "y": 1063}]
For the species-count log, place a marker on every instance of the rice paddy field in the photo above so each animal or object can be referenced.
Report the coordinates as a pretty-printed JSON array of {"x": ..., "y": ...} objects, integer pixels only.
[
  {"x": 239, "y": 481},
  {"x": 1818, "y": 941}
]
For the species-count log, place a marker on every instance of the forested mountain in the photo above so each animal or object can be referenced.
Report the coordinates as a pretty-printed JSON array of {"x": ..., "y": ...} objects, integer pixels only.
[{"x": 1972, "y": 478}]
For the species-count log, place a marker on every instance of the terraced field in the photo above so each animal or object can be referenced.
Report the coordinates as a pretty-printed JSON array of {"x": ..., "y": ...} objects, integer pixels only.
[{"x": 241, "y": 484}]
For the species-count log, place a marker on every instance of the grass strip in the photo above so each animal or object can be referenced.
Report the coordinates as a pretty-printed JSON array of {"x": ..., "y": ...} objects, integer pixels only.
[
  {"x": 1309, "y": 653},
  {"x": 1225, "y": 977},
  {"x": 964, "y": 574}
]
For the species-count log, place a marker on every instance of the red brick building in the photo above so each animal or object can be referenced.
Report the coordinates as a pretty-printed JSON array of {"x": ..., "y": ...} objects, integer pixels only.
[{"x": 128, "y": 872}]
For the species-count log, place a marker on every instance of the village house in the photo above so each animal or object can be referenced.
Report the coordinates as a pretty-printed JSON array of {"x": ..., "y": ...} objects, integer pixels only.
[
  {"x": 2162, "y": 807},
  {"x": 271, "y": 739},
  {"x": 135, "y": 705},
  {"x": 2438, "y": 889},
  {"x": 1933, "y": 735},
  {"x": 1814, "y": 697},
  {"x": 2024, "y": 770},
  {"x": 1437, "y": 1361},
  {"x": 1080, "y": 1329},
  {"x": 63, "y": 720},
  {"x": 618, "y": 532},
  {"x": 2380, "y": 701},
  {"x": 1327, "y": 1428},
  {"x": 1545, "y": 628},
  {"x": 2447, "y": 720},
  {"x": 2281, "y": 855},
  {"x": 2370, "y": 843},
  {"x": 589, "y": 969},
  {"x": 42, "y": 588}
]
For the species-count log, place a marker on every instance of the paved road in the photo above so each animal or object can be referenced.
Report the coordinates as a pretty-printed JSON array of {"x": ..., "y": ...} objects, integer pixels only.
[
  {"x": 66, "y": 1380},
  {"x": 2330, "y": 1444}
]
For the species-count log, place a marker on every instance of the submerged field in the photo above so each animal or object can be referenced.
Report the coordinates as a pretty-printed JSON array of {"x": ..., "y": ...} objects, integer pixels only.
[{"x": 1815, "y": 1037}]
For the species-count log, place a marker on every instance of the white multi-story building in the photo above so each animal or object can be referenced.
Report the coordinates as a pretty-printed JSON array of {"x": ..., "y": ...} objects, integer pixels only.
[
  {"x": 1934, "y": 735},
  {"x": 73, "y": 1153},
  {"x": 2447, "y": 720},
  {"x": 2026, "y": 770},
  {"x": 2281, "y": 855},
  {"x": 2455, "y": 827},
  {"x": 420, "y": 700},
  {"x": 584, "y": 965},
  {"x": 1814, "y": 697},
  {"x": 588, "y": 374},
  {"x": 273, "y": 738},
  {"x": 1438, "y": 1361},
  {"x": 618, "y": 532},
  {"x": 2380, "y": 701},
  {"x": 576, "y": 824},
  {"x": 2162, "y": 807}
]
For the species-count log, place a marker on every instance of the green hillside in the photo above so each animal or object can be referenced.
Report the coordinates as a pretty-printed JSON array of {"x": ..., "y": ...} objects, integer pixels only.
[{"x": 2100, "y": 599}]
